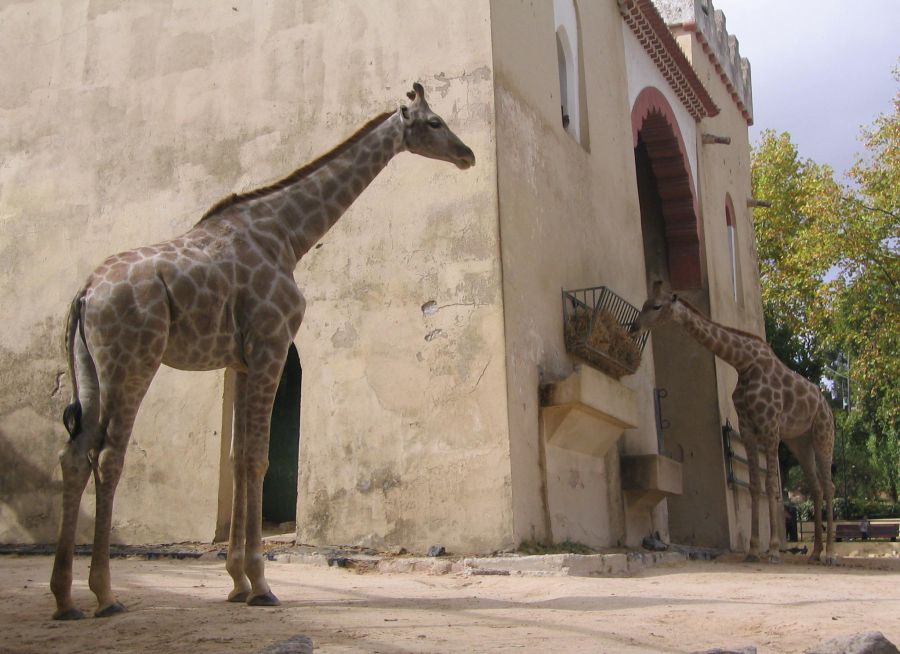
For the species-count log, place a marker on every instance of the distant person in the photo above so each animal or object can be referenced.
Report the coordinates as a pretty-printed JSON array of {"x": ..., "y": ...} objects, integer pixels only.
[
  {"x": 864, "y": 528},
  {"x": 790, "y": 523}
]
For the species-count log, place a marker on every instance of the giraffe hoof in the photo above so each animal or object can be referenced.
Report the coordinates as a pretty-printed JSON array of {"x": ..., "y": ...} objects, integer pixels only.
[
  {"x": 238, "y": 596},
  {"x": 266, "y": 599},
  {"x": 111, "y": 610},
  {"x": 751, "y": 558},
  {"x": 69, "y": 614},
  {"x": 774, "y": 558}
]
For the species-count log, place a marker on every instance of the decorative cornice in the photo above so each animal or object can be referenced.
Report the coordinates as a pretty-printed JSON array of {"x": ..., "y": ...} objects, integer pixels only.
[
  {"x": 708, "y": 24},
  {"x": 660, "y": 44}
]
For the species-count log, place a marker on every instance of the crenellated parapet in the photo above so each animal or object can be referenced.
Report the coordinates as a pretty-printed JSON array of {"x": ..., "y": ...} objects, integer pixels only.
[{"x": 722, "y": 48}]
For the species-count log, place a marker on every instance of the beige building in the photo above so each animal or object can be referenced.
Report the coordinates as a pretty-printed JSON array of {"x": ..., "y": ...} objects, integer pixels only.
[{"x": 438, "y": 401}]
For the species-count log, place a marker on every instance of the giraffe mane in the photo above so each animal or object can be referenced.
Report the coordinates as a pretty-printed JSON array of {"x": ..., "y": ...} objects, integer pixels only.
[
  {"x": 300, "y": 173},
  {"x": 733, "y": 330}
]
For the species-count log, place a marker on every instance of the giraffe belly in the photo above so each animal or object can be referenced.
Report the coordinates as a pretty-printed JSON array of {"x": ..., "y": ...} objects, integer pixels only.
[{"x": 187, "y": 350}]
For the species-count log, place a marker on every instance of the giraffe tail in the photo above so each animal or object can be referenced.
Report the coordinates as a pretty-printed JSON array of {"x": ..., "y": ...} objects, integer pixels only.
[{"x": 74, "y": 325}]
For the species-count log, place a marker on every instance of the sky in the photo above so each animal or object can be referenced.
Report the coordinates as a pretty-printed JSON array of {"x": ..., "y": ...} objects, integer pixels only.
[{"x": 821, "y": 69}]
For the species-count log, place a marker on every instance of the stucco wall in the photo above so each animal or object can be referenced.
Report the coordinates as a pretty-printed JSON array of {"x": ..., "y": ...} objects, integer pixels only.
[
  {"x": 403, "y": 411},
  {"x": 121, "y": 123},
  {"x": 569, "y": 219}
]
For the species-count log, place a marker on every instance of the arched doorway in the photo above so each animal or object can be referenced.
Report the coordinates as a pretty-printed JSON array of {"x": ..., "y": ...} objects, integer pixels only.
[
  {"x": 280, "y": 484},
  {"x": 684, "y": 372}
]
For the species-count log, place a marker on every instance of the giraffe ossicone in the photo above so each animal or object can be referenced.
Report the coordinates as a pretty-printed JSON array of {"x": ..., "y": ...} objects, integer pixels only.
[
  {"x": 773, "y": 404},
  {"x": 222, "y": 295}
]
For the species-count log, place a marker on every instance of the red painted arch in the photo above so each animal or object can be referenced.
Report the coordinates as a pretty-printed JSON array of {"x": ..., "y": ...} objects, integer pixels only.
[{"x": 654, "y": 122}]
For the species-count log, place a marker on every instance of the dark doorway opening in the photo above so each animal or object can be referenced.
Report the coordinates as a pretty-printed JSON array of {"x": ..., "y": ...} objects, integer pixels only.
[
  {"x": 683, "y": 370},
  {"x": 280, "y": 484}
]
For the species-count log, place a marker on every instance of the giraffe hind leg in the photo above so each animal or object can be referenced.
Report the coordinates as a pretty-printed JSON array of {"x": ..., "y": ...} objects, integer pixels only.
[
  {"x": 76, "y": 470},
  {"x": 823, "y": 445},
  {"x": 802, "y": 448},
  {"x": 120, "y": 407},
  {"x": 81, "y": 421}
]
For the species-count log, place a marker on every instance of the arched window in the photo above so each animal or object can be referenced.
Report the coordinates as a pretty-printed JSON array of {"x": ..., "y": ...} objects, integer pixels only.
[
  {"x": 733, "y": 252},
  {"x": 568, "y": 59}
]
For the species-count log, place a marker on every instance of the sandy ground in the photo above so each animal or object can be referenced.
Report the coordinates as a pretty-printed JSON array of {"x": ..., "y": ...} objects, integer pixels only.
[{"x": 177, "y": 606}]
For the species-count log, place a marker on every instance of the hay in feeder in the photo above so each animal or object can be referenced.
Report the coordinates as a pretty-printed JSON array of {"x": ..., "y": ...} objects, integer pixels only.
[{"x": 606, "y": 344}]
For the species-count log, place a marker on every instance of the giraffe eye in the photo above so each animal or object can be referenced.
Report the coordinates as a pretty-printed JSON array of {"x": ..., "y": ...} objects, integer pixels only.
[
  {"x": 657, "y": 307},
  {"x": 434, "y": 123}
]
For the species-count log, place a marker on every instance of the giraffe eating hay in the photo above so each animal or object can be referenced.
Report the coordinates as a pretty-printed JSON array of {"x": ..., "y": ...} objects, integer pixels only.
[
  {"x": 222, "y": 295},
  {"x": 773, "y": 403}
]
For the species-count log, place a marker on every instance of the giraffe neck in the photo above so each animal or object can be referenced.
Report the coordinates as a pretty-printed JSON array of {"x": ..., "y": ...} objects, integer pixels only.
[
  {"x": 726, "y": 344},
  {"x": 310, "y": 206}
]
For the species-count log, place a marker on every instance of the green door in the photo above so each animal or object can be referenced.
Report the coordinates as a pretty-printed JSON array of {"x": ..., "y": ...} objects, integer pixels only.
[{"x": 280, "y": 484}]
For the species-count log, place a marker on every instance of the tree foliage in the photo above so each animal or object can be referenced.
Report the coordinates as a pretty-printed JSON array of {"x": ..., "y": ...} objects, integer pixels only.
[{"x": 829, "y": 256}]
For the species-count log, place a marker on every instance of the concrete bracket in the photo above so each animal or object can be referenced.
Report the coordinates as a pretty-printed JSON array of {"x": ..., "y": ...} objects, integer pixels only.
[
  {"x": 649, "y": 478},
  {"x": 587, "y": 411}
]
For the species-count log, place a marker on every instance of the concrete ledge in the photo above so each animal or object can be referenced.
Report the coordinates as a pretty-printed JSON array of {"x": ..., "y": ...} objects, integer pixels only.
[
  {"x": 587, "y": 411},
  {"x": 575, "y": 565},
  {"x": 648, "y": 478},
  {"x": 551, "y": 565}
]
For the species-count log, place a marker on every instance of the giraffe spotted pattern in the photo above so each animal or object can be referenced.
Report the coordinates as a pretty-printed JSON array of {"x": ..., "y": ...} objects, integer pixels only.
[
  {"x": 773, "y": 404},
  {"x": 220, "y": 296}
]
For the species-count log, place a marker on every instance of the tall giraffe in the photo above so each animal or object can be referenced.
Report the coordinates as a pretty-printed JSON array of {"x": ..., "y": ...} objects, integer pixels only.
[
  {"x": 221, "y": 295},
  {"x": 773, "y": 403}
]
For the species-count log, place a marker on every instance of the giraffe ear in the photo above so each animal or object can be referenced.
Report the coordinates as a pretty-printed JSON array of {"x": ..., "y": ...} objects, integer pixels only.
[
  {"x": 417, "y": 95},
  {"x": 404, "y": 112}
]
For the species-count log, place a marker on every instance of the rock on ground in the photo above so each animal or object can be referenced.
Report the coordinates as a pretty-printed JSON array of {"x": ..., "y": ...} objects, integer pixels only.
[
  {"x": 866, "y": 642},
  {"x": 294, "y": 645}
]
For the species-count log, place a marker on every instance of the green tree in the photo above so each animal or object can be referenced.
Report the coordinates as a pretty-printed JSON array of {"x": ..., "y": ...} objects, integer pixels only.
[{"x": 829, "y": 268}]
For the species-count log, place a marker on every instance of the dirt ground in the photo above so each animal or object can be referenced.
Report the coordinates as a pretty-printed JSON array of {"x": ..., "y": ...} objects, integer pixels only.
[{"x": 177, "y": 606}]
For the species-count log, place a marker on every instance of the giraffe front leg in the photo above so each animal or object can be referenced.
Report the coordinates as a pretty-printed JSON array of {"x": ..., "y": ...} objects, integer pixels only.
[
  {"x": 234, "y": 564},
  {"x": 260, "y": 398},
  {"x": 75, "y": 470},
  {"x": 773, "y": 494},
  {"x": 753, "y": 469},
  {"x": 254, "y": 566}
]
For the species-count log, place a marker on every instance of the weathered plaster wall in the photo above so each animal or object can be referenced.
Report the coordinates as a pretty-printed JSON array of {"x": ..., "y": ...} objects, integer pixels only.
[
  {"x": 569, "y": 219},
  {"x": 403, "y": 412},
  {"x": 120, "y": 123}
]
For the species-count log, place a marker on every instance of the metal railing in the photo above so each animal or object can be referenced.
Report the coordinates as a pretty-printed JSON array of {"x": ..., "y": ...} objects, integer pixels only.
[{"x": 730, "y": 436}]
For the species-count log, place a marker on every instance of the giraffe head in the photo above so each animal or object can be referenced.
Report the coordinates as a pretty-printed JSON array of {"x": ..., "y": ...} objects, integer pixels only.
[
  {"x": 656, "y": 310},
  {"x": 425, "y": 133}
]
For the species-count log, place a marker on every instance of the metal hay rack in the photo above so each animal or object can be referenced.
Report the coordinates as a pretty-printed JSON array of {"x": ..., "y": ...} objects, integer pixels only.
[{"x": 596, "y": 322}]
